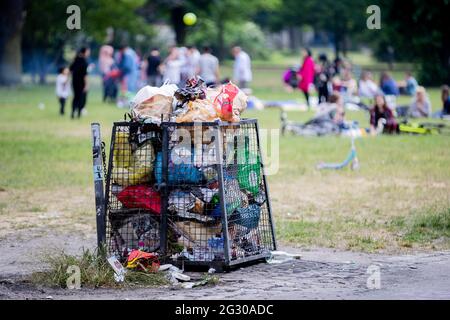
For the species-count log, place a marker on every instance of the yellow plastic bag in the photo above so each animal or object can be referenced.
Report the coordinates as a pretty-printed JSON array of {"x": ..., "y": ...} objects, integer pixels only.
[{"x": 131, "y": 168}]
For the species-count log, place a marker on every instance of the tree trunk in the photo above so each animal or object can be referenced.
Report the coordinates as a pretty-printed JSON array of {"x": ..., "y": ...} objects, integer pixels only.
[
  {"x": 220, "y": 39},
  {"x": 176, "y": 16},
  {"x": 11, "y": 23},
  {"x": 337, "y": 45}
]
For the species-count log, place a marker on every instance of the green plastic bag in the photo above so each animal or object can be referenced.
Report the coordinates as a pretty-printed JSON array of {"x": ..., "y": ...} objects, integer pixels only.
[{"x": 249, "y": 170}]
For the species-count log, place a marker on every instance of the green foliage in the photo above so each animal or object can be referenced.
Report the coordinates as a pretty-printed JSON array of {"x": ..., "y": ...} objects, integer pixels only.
[
  {"x": 418, "y": 31},
  {"x": 225, "y": 13},
  {"x": 45, "y": 31},
  {"x": 342, "y": 18},
  {"x": 248, "y": 35}
]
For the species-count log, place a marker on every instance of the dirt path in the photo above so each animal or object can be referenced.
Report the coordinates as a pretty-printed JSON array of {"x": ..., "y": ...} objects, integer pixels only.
[{"x": 320, "y": 274}]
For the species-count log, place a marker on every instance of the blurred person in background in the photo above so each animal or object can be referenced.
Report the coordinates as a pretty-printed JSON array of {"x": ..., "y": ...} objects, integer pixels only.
[
  {"x": 445, "y": 98},
  {"x": 388, "y": 85},
  {"x": 129, "y": 69},
  {"x": 409, "y": 85},
  {"x": 208, "y": 67},
  {"x": 79, "y": 70},
  {"x": 105, "y": 66},
  {"x": 306, "y": 74},
  {"x": 153, "y": 68},
  {"x": 324, "y": 73},
  {"x": 380, "y": 111},
  {"x": 421, "y": 106},
  {"x": 242, "y": 68},
  {"x": 172, "y": 67},
  {"x": 367, "y": 88},
  {"x": 192, "y": 61},
  {"x": 62, "y": 88}
]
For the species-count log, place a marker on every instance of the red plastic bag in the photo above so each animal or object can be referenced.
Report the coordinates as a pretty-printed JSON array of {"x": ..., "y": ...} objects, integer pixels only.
[
  {"x": 142, "y": 197},
  {"x": 143, "y": 261},
  {"x": 225, "y": 101}
]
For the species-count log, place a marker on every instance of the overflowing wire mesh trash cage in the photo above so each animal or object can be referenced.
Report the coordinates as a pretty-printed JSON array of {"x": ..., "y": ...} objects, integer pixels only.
[{"x": 195, "y": 193}]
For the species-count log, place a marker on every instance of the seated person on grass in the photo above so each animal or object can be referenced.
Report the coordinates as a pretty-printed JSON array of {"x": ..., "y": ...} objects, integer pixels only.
[
  {"x": 409, "y": 85},
  {"x": 420, "y": 107},
  {"x": 388, "y": 85},
  {"x": 445, "y": 98},
  {"x": 382, "y": 111},
  {"x": 367, "y": 87}
]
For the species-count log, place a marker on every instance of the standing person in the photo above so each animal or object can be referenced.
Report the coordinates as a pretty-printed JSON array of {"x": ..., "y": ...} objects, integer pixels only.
[
  {"x": 208, "y": 67},
  {"x": 306, "y": 74},
  {"x": 79, "y": 81},
  {"x": 129, "y": 69},
  {"x": 324, "y": 72},
  {"x": 242, "y": 69},
  {"x": 105, "y": 65},
  {"x": 153, "y": 65},
  {"x": 62, "y": 88},
  {"x": 381, "y": 111},
  {"x": 192, "y": 61},
  {"x": 421, "y": 106},
  {"x": 172, "y": 67}
]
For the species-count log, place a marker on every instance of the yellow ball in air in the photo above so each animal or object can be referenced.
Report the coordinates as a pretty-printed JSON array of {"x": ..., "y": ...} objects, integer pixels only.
[{"x": 189, "y": 19}]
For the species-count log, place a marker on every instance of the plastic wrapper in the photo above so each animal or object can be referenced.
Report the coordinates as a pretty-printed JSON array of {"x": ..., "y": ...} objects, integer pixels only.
[
  {"x": 131, "y": 167},
  {"x": 198, "y": 111},
  {"x": 195, "y": 89}
]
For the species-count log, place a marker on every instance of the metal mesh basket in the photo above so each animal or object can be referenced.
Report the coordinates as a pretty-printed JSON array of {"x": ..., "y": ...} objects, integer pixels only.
[{"x": 195, "y": 193}]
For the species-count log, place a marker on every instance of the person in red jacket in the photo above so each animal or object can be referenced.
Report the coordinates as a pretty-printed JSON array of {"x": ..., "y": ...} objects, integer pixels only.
[{"x": 306, "y": 73}]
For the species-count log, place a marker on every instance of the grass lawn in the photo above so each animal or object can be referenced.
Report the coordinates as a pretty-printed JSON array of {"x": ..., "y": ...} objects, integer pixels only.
[{"x": 398, "y": 200}]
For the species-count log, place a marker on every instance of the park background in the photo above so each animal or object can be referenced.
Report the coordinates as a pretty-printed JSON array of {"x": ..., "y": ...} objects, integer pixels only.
[{"x": 398, "y": 201}]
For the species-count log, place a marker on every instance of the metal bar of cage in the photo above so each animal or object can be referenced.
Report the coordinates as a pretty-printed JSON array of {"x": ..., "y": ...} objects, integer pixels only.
[{"x": 266, "y": 187}]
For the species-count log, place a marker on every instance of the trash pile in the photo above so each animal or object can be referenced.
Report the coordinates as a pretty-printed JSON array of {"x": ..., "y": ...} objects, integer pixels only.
[
  {"x": 148, "y": 262},
  {"x": 193, "y": 103},
  {"x": 165, "y": 183}
]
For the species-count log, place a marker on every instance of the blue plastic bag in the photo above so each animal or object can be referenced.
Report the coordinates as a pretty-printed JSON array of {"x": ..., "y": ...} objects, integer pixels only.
[{"x": 178, "y": 173}]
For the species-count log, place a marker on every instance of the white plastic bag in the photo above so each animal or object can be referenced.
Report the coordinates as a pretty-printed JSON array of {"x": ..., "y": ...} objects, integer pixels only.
[{"x": 152, "y": 102}]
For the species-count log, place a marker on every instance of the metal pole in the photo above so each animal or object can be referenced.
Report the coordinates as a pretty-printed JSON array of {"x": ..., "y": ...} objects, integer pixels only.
[
  {"x": 98, "y": 184},
  {"x": 164, "y": 190},
  {"x": 219, "y": 168},
  {"x": 266, "y": 188}
]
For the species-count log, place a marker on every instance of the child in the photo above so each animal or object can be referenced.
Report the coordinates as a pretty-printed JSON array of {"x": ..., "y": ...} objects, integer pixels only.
[
  {"x": 381, "y": 111},
  {"x": 62, "y": 87}
]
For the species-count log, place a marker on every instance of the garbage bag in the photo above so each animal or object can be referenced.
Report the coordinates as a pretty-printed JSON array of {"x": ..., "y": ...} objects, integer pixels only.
[
  {"x": 177, "y": 173},
  {"x": 142, "y": 197},
  {"x": 152, "y": 102},
  {"x": 131, "y": 167}
]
